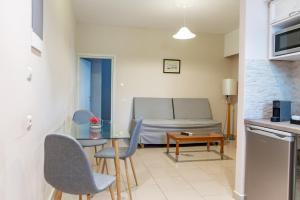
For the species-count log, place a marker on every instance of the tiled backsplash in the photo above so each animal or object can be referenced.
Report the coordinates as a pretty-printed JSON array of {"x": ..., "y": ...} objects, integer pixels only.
[{"x": 266, "y": 81}]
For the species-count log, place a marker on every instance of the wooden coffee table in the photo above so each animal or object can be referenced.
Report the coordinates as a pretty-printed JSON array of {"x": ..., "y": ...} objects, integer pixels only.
[{"x": 196, "y": 137}]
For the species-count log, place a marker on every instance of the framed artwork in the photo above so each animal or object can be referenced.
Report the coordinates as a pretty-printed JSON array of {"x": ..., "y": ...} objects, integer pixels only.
[{"x": 171, "y": 66}]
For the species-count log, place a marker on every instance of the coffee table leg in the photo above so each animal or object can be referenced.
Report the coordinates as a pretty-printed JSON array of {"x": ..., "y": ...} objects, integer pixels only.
[
  {"x": 208, "y": 146},
  {"x": 177, "y": 150},
  {"x": 222, "y": 149},
  {"x": 168, "y": 144}
]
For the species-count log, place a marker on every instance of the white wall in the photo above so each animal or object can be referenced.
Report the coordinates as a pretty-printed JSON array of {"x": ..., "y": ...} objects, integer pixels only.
[
  {"x": 48, "y": 98},
  {"x": 139, "y": 56},
  {"x": 256, "y": 29},
  {"x": 253, "y": 46}
]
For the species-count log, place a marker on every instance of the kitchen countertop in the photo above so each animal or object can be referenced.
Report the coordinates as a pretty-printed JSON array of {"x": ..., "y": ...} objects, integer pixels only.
[{"x": 282, "y": 126}]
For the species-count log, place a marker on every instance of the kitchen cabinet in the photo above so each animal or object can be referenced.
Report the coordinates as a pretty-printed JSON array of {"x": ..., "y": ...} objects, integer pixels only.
[
  {"x": 231, "y": 43},
  {"x": 283, "y": 14},
  {"x": 283, "y": 10}
]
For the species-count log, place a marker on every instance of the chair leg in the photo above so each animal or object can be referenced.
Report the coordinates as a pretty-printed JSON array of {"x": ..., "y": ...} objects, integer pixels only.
[
  {"x": 103, "y": 166},
  {"x": 57, "y": 195},
  {"x": 133, "y": 171},
  {"x": 99, "y": 166},
  {"x": 97, "y": 163},
  {"x": 88, "y": 196},
  {"x": 111, "y": 193},
  {"x": 80, "y": 197},
  {"x": 128, "y": 181},
  {"x": 106, "y": 166}
]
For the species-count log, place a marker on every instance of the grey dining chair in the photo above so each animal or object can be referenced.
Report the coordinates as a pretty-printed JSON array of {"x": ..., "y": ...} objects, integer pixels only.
[
  {"x": 67, "y": 169},
  {"x": 83, "y": 117},
  {"x": 125, "y": 153}
]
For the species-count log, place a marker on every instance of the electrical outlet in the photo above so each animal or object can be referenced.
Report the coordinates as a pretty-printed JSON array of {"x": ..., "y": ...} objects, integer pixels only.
[{"x": 29, "y": 122}]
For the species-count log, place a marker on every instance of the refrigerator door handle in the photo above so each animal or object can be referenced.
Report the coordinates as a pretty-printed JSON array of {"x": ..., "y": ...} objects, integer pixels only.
[{"x": 270, "y": 134}]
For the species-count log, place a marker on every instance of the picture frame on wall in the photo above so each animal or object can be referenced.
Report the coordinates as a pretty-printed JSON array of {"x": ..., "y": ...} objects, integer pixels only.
[{"x": 171, "y": 66}]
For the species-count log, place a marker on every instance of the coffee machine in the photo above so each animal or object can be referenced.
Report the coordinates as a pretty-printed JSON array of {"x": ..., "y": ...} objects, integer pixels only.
[{"x": 281, "y": 111}]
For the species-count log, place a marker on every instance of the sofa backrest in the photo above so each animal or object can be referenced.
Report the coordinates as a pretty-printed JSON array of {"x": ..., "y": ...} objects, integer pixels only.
[
  {"x": 192, "y": 108},
  {"x": 152, "y": 108}
]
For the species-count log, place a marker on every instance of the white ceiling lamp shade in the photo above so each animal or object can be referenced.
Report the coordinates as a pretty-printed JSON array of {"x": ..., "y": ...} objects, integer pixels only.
[{"x": 184, "y": 34}]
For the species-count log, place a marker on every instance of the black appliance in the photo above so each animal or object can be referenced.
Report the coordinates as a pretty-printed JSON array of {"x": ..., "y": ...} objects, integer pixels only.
[{"x": 281, "y": 111}]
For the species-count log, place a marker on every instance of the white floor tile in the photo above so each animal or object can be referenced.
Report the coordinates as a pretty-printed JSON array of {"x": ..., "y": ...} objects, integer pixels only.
[
  {"x": 161, "y": 178},
  {"x": 219, "y": 197}
]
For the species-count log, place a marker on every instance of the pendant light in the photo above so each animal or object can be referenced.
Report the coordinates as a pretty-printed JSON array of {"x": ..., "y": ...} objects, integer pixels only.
[{"x": 184, "y": 32}]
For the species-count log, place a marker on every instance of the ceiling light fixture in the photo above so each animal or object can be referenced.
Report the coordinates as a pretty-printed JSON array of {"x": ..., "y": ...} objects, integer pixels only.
[{"x": 184, "y": 32}]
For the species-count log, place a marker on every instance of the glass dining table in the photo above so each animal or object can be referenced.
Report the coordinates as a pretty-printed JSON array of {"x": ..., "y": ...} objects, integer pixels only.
[{"x": 105, "y": 131}]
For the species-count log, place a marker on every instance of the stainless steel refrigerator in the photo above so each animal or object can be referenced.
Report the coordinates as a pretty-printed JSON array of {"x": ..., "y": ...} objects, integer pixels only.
[{"x": 270, "y": 164}]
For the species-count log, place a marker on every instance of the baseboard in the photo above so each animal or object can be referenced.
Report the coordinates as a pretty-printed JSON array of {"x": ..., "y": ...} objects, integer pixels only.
[
  {"x": 238, "y": 196},
  {"x": 51, "y": 194}
]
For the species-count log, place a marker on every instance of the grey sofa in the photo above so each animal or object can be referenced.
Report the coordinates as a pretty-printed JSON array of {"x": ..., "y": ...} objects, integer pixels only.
[{"x": 172, "y": 114}]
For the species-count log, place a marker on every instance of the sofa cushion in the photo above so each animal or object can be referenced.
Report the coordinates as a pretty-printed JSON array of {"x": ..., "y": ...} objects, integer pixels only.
[
  {"x": 180, "y": 123},
  {"x": 192, "y": 108},
  {"x": 152, "y": 108}
]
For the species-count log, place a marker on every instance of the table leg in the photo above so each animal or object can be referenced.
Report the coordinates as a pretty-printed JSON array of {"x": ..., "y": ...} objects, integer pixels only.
[
  {"x": 177, "y": 150},
  {"x": 103, "y": 166},
  {"x": 117, "y": 166},
  {"x": 97, "y": 162},
  {"x": 222, "y": 148},
  {"x": 57, "y": 195},
  {"x": 208, "y": 146},
  {"x": 168, "y": 143},
  {"x": 88, "y": 196}
]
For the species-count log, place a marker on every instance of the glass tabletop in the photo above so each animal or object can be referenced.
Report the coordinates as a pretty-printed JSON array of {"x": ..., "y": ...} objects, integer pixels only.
[{"x": 103, "y": 131}]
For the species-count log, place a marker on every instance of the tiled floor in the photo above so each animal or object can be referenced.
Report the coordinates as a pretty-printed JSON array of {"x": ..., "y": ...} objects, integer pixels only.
[{"x": 160, "y": 178}]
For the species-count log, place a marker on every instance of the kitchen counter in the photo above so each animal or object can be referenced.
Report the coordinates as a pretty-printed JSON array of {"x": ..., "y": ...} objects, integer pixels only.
[{"x": 282, "y": 126}]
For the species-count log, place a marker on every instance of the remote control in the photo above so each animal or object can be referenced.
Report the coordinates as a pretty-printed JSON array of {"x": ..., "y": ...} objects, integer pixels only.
[{"x": 186, "y": 133}]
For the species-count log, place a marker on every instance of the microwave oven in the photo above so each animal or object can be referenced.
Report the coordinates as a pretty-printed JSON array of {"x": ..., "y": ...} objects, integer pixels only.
[{"x": 286, "y": 41}]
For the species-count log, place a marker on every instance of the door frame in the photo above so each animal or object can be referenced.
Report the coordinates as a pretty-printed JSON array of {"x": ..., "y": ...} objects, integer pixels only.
[{"x": 113, "y": 79}]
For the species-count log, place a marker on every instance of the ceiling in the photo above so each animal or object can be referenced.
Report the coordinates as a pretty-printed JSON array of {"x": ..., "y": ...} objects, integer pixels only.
[{"x": 210, "y": 16}]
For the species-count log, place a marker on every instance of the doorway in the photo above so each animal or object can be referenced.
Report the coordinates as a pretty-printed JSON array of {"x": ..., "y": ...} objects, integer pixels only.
[{"x": 95, "y": 86}]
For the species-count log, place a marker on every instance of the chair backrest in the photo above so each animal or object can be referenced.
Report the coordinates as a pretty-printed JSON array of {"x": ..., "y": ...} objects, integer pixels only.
[
  {"x": 66, "y": 166},
  {"x": 82, "y": 116},
  {"x": 134, "y": 139}
]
